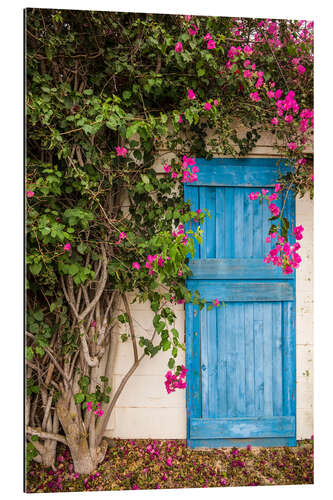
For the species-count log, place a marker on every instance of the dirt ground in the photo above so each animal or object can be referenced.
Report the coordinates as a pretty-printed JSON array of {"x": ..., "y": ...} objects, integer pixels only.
[{"x": 158, "y": 464}]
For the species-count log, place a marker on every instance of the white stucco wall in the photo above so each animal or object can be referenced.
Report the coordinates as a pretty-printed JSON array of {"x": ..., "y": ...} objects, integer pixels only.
[{"x": 145, "y": 410}]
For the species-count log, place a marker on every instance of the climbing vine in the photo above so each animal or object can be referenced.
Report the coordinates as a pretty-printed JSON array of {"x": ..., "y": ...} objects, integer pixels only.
[{"x": 118, "y": 108}]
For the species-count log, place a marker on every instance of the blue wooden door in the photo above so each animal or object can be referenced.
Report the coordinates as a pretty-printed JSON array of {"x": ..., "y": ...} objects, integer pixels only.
[{"x": 241, "y": 384}]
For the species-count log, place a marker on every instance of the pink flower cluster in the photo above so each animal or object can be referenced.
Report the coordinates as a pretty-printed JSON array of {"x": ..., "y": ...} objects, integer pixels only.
[
  {"x": 188, "y": 175},
  {"x": 173, "y": 382},
  {"x": 67, "y": 247},
  {"x": 210, "y": 42},
  {"x": 151, "y": 259},
  {"x": 30, "y": 194},
  {"x": 288, "y": 259},
  {"x": 180, "y": 230},
  {"x": 121, "y": 151},
  {"x": 97, "y": 411},
  {"x": 121, "y": 237},
  {"x": 194, "y": 30}
]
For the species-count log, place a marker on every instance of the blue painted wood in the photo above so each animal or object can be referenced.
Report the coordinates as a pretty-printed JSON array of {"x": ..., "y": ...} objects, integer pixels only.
[
  {"x": 219, "y": 227},
  {"x": 241, "y": 443},
  {"x": 242, "y": 427},
  {"x": 245, "y": 268},
  {"x": 242, "y": 357},
  {"x": 243, "y": 291},
  {"x": 193, "y": 379},
  {"x": 242, "y": 172}
]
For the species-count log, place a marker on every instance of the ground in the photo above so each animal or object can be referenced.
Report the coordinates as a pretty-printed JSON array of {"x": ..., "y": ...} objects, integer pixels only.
[{"x": 154, "y": 464}]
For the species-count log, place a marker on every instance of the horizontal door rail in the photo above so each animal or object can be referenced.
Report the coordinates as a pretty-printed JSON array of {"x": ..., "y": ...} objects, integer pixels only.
[
  {"x": 245, "y": 427},
  {"x": 249, "y": 172},
  {"x": 235, "y": 269},
  {"x": 243, "y": 291}
]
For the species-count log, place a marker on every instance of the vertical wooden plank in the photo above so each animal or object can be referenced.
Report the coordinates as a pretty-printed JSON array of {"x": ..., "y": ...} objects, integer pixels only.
[
  {"x": 268, "y": 394},
  {"x": 222, "y": 362},
  {"x": 239, "y": 228},
  {"x": 203, "y": 205},
  {"x": 229, "y": 223},
  {"x": 266, "y": 224},
  {"x": 210, "y": 223},
  {"x": 289, "y": 359},
  {"x": 189, "y": 357},
  {"x": 257, "y": 230},
  {"x": 277, "y": 358},
  {"x": 231, "y": 360},
  {"x": 204, "y": 362},
  {"x": 194, "y": 197},
  {"x": 220, "y": 233},
  {"x": 249, "y": 360},
  {"x": 212, "y": 364},
  {"x": 248, "y": 224},
  {"x": 259, "y": 359},
  {"x": 240, "y": 358}
]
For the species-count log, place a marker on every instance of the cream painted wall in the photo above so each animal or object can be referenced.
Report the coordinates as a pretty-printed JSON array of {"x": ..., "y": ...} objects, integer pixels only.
[{"x": 145, "y": 410}]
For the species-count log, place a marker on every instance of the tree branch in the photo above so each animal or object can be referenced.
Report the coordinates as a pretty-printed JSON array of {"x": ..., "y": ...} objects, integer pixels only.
[{"x": 46, "y": 435}]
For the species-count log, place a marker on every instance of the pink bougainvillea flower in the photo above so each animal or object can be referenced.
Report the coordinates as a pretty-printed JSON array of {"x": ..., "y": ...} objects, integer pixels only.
[
  {"x": 255, "y": 96},
  {"x": 278, "y": 94},
  {"x": 207, "y": 37},
  {"x": 216, "y": 102},
  {"x": 259, "y": 83},
  {"x": 253, "y": 67},
  {"x": 179, "y": 47},
  {"x": 270, "y": 94},
  {"x": 277, "y": 187},
  {"x": 295, "y": 61},
  {"x": 247, "y": 63},
  {"x": 180, "y": 119},
  {"x": 216, "y": 302},
  {"x": 292, "y": 146},
  {"x": 30, "y": 194},
  {"x": 274, "y": 121},
  {"x": 273, "y": 235},
  {"x": 187, "y": 18},
  {"x": 180, "y": 273},
  {"x": 247, "y": 73},
  {"x": 160, "y": 262},
  {"x": 207, "y": 106},
  {"x": 194, "y": 30},
  {"x": 264, "y": 191},
  {"x": 166, "y": 168},
  {"x": 121, "y": 151},
  {"x": 136, "y": 265},
  {"x": 93, "y": 324},
  {"x": 67, "y": 247},
  {"x": 211, "y": 45},
  {"x": 174, "y": 175},
  {"x": 247, "y": 50},
  {"x": 288, "y": 118},
  {"x": 268, "y": 239},
  {"x": 195, "y": 169},
  {"x": 181, "y": 301},
  {"x": 121, "y": 237},
  {"x": 298, "y": 230},
  {"x": 169, "y": 461},
  {"x": 191, "y": 95},
  {"x": 253, "y": 196},
  {"x": 274, "y": 209},
  {"x": 301, "y": 69}
]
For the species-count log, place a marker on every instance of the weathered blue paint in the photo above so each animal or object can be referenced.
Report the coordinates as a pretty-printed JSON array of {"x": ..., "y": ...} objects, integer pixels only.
[{"x": 241, "y": 384}]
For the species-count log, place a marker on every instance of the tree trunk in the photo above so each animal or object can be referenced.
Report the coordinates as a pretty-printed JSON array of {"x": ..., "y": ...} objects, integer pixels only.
[{"x": 76, "y": 438}]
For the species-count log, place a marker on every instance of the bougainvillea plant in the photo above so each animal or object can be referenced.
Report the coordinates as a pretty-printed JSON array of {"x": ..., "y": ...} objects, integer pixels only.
[{"x": 118, "y": 108}]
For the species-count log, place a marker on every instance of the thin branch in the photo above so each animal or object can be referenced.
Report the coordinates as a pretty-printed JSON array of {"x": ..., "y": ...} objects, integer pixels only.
[
  {"x": 131, "y": 325},
  {"x": 46, "y": 435}
]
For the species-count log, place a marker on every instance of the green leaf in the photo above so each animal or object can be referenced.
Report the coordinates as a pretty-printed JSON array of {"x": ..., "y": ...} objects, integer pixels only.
[
  {"x": 36, "y": 268},
  {"x": 79, "y": 398},
  {"x": 29, "y": 353},
  {"x": 171, "y": 363}
]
